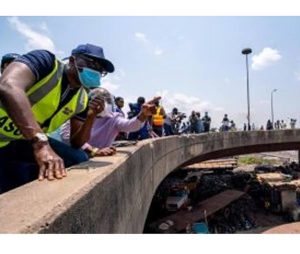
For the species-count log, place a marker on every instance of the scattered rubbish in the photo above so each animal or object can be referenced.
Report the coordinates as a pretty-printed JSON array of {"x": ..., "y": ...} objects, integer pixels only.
[{"x": 221, "y": 200}]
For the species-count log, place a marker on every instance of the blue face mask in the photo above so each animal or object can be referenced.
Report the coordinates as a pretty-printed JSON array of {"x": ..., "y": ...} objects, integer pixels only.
[{"x": 89, "y": 78}]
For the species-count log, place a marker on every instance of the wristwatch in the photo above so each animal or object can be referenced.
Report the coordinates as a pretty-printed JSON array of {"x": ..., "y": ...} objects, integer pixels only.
[
  {"x": 94, "y": 151},
  {"x": 39, "y": 137}
]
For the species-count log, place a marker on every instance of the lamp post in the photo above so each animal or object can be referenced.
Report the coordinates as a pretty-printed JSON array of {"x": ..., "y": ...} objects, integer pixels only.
[
  {"x": 272, "y": 109},
  {"x": 246, "y": 52}
]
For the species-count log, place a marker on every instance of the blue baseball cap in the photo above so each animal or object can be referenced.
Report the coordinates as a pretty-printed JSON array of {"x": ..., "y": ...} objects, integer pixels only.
[
  {"x": 94, "y": 52},
  {"x": 8, "y": 58}
]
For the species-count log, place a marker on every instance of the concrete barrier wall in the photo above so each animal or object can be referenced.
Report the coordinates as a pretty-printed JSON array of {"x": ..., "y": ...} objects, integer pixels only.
[{"x": 113, "y": 194}]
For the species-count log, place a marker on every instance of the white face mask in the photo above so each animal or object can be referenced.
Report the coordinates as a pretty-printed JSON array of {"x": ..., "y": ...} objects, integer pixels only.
[{"x": 108, "y": 110}]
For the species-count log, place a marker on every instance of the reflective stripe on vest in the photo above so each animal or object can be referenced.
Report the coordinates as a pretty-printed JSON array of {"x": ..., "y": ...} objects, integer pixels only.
[
  {"x": 158, "y": 119},
  {"x": 44, "y": 97},
  {"x": 73, "y": 107}
]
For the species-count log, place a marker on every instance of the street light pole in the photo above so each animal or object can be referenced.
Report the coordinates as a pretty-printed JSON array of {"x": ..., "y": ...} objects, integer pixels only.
[
  {"x": 272, "y": 109},
  {"x": 246, "y": 52}
]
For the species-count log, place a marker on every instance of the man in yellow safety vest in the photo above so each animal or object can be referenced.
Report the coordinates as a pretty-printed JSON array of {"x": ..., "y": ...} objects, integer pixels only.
[
  {"x": 38, "y": 93},
  {"x": 158, "y": 119}
]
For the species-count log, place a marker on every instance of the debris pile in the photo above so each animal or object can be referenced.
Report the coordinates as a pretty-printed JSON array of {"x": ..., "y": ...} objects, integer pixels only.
[{"x": 221, "y": 200}]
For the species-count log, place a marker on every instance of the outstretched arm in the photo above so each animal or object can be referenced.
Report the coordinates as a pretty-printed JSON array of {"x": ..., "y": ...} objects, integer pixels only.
[{"x": 134, "y": 124}]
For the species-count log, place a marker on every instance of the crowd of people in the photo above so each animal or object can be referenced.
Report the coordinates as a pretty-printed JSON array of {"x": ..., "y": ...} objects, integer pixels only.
[
  {"x": 55, "y": 114},
  {"x": 280, "y": 125}
]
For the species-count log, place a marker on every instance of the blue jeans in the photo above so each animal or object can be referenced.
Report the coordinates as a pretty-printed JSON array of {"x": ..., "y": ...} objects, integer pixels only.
[{"x": 18, "y": 165}]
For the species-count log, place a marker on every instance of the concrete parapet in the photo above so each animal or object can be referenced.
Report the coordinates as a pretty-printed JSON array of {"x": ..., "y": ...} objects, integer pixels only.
[{"x": 113, "y": 194}]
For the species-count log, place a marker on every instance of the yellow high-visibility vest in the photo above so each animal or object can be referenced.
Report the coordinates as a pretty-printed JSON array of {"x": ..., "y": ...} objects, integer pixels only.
[
  {"x": 44, "y": 97},
  {"x": 158, "y": 119}
]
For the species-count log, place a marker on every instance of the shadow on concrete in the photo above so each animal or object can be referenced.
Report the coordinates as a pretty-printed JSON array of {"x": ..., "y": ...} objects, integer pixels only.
[
  {"x": 125, "y": 152},
  {"x": 90, "y": 165}
]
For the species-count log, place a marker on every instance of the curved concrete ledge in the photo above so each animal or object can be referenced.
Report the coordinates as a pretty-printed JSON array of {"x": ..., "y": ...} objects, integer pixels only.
[{"x": 113, "y": 194}]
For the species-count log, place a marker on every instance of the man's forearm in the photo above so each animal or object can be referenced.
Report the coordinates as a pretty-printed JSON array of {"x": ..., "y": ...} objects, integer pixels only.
[
  {"x": 129, "y": 125},
  {"x": 18, "y": 107}
]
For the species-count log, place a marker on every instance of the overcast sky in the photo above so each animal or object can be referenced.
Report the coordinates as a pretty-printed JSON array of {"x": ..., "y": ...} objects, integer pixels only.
[{"x": 195, "y": 63}]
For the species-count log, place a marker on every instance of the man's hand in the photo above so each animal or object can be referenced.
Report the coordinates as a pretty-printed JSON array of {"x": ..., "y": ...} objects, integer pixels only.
[
  {"x": 51, "y": 166},
  {"x": 107, "y": 151},
  {"x": 81, "y": 131},
  {"x": 96, "y": 106},
  {"x": 148, "y": 109}
]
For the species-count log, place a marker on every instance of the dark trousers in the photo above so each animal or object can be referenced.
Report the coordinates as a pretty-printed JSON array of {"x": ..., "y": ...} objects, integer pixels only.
[
  {"x": 134, "y": 135},
  {"x": 158, "y": 130},
  {"x": 168, "y": 130},
  {"x": 206, "y": 127},
  {"x": 18, "y": 165},
  {"x": 139, "y": 135},
  {"x": 194, "y": 128}
]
